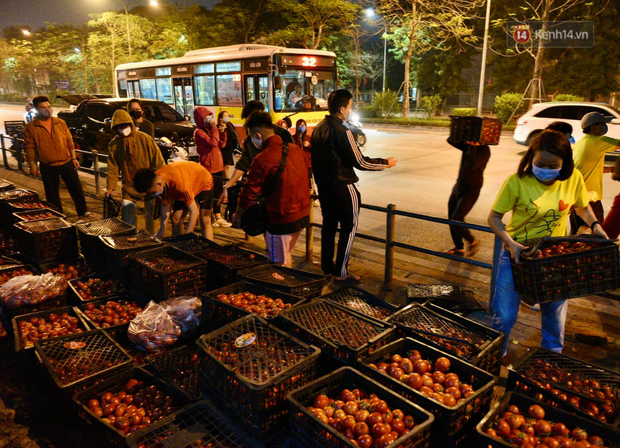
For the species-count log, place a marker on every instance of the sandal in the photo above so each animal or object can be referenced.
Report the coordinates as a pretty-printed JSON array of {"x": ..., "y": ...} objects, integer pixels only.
[
  {"x": 349, "y": 279},
  {"x": 473, "y": 248},
  {"x": 455, "y": 251}
]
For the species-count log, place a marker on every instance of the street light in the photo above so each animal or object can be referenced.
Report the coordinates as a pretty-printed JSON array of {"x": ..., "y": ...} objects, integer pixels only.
[
  {"x": 26, "y": 32},
  {"x": 371, "y": 13},
  {"x": 154, "y": 3},
  {"x": 484, "y": 58}
]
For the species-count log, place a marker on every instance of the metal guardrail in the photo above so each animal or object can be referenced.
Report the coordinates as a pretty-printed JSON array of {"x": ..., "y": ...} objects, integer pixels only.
[{"x": 17, "y": 150}]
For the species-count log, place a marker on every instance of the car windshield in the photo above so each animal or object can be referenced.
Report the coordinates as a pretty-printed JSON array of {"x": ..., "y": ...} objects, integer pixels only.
[
  {"x": 304, "y": 90},
  {"x": 156, "y": 111}
]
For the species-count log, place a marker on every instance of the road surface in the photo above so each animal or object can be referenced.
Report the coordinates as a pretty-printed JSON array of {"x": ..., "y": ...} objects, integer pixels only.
[{"x": 421, "y": 182}]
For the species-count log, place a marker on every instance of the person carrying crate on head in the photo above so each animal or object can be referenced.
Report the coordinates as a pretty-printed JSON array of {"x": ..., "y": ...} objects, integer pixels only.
[{"x": 539, "y": 195}]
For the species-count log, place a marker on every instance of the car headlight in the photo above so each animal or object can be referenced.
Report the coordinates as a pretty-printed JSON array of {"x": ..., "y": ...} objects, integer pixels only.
[{"x": 355, "y": 117}]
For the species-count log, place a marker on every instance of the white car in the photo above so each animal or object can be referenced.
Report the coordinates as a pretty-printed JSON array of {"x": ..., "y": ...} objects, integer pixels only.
[{"x": 543, "y": 114}]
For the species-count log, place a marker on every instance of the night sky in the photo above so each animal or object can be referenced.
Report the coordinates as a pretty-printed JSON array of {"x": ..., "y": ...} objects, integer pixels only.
[{"x": 34, "y": 13}]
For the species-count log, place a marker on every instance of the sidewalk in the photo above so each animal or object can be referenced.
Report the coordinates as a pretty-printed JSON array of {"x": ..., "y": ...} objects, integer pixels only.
[{"x": 593, "y": 315}]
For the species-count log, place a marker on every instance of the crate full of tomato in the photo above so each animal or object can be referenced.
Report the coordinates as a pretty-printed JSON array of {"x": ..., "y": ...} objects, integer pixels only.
[
  {"x": 118, "y": 247},
  {"x": 570, "y": 384},
  {"x": 47, "y": 240},
  {"x": 251, "y": 366},
  {"x": 484, "y": 130},
  {"x": 567, "y": 267}
]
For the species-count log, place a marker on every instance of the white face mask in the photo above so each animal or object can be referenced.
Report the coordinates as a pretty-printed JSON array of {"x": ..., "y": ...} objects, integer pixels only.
[
  {"x": 126, "y": 131},
  {"x": 225, "y": 119},
  {"x": 258, "y": 142},
  {"x": 209, "y": 118}
]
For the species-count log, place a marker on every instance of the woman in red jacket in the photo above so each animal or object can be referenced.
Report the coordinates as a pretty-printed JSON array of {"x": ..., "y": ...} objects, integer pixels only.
[
  {"x": 210, "y": 139},
  {"x": 302, "y": 139}
]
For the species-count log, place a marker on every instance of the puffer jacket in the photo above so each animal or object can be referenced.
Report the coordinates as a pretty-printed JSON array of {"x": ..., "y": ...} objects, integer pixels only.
[{"x": 209, "y": 141}]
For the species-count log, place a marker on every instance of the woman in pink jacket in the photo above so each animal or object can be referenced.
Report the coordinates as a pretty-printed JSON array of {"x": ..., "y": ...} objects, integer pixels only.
[{"x": 209, "y": 139}]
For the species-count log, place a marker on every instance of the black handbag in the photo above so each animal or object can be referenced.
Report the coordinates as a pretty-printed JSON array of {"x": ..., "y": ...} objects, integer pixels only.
[
  {"x": 111, "y": 208},
  {"x": 255, "y": 218}
]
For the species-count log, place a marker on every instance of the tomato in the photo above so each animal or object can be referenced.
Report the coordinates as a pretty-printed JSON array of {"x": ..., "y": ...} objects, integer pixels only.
[
  {"x": 406, "y": 365},
  {"x": 340, "y": 414},
  {"x": 361, "y": 429},
  {"x": 438, "y": 377},
  {"x": 386, "y": 440},
  {"x": 374, "y": 418},
  {"x": 409, "y": 421},
  {"x": 364, "y": 441},
  {"x": 398, "y": 414},
  {"x": 515, "y": 421},
  {"x": 551, "y": 442},
  {"x": 503, "y": 428},
  {"x": 396, "y": 358},
  {"x": 560, "y": 429},
  {"x": 415, "y": 356},
  {"x": 378, "y": 429},
  {"x": 491, "y": 432},
  {"x": 361, "y": 416},
  {"x": 579, "y": 434},
  {"x": 542, "y": 427},
  {"x": 381, "y": 407},
  {"x": 414, "y": 381},
  {"x": 398, "y": 425},
  {"x": 420, "y": 367},
  {"x": 388, "y": 417},
  {"x": 122, "y": 423},
  {"x": 348, "y": 422},
  {"x": 454, "y": 391},
  {"x": 442, "y": 364},
  {"x": 93, "y": 404},
  {"x": 595, "y": 440},
  {"x": 449, "y": 400},
  {"x": 350, "y": 408},
  {"x": 536, "y": 412}
]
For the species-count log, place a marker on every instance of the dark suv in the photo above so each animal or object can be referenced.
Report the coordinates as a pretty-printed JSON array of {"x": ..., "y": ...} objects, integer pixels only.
[{"x": 89, "y": 122}]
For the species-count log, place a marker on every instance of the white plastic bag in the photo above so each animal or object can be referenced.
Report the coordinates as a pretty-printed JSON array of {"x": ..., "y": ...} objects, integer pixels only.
[{"x": 32, "y": 289}]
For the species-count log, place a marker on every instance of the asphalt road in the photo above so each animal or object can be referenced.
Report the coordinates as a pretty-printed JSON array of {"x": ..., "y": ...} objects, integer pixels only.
[{"x": 420, "y": 183}]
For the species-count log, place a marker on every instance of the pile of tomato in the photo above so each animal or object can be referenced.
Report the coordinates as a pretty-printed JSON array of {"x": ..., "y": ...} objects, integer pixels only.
[
  {"x": 55, "y": 325},
  {"x": 166, "y": 263},
  {"x": 365, "y": 419},
  {"x": 29, "y": 205},
  {"x": 259, "y": 304},
  {"x": 6, "y": 276},
  {"x": 94, "y": 288},
  {"x": 563, "y": 248},
  {"x": 134, "y": 406},
  {"x": 38, "y": 216},
  {"x": 533, "y": 431},
  {"x": 70, "y": 271},
  {"x": 114, "y": 312},
  {"x": 81, "y": 365},
  {"x": 431, "y": 379}
]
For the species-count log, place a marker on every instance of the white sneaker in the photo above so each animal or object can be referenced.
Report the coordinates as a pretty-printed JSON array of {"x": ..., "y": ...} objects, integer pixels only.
[{"x": 221, "y": 222}]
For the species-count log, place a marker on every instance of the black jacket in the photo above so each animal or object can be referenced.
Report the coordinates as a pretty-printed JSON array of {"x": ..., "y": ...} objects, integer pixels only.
[
  {"x": 473, "y": 163},
  {"x": 335, "y": 154},
  {"x": 250, "y": 151}
]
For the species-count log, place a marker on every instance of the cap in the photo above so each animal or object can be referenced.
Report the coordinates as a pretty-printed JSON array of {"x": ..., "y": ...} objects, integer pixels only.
[{"x": 592, "y": 118}]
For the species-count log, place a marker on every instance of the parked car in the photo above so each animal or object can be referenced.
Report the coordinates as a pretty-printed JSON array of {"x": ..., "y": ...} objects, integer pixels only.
[
  {"x": 89, "y": 122},
  {"x": 542, "y": 114}
]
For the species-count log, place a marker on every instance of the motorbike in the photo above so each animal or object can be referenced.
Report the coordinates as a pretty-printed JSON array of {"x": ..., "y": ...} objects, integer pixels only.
[
  {"x": 171, "y": 152},
  {"x": 30, "y": 115},
  {"x": 354, "y": 124}
]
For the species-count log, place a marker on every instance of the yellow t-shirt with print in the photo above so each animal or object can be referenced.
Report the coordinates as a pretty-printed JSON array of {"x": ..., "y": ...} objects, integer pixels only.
[
  {"x": 589, "y": 156},
  {"x": 539, "y": 210}
]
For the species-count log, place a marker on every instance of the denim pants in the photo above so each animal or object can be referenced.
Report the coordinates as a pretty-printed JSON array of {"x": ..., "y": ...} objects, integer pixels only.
[
  {"x": 505, "y": 308},
  {"x": 129, "y": 214}
]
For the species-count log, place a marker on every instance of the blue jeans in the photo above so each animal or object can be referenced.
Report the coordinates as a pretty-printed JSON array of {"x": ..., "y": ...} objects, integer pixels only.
[
  {"x": 129, "y": 214},
  {"x": 505, "y": 307}
]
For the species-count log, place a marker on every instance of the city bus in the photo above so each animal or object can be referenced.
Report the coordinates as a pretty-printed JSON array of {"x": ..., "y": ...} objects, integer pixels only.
[{"x": 289, "y": 82}]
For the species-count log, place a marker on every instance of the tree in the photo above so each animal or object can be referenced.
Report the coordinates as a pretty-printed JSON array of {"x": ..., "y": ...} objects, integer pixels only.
[
  {"x": 418, "y": 26},
  {"x": 240, "y": 20},
  {"x": 371, "y": 67}
]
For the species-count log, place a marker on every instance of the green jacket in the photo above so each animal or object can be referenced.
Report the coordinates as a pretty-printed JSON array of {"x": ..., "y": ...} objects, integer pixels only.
[{"x": 130, "y": 154}]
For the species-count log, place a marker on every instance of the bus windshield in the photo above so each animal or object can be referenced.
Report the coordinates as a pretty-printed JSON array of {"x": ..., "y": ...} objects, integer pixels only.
[{"x": 304, "y": 90}]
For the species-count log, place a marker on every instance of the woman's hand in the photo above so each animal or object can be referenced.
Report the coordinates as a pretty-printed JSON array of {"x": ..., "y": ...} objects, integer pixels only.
[{"x": 516, "y": 249}]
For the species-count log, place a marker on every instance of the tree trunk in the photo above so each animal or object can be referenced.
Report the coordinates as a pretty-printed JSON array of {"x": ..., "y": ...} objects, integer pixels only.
[
  {"x": 538, "y": 61},
  {"x": 113, "y": 64},
  {"x": 407, "y": 83},
  {"x": 316, "y": 43}
]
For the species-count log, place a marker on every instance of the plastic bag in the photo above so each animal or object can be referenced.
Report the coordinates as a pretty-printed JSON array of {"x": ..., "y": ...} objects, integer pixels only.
[
  {"x": 161, "y": 325},
  {"x": 32, "y": 289}
]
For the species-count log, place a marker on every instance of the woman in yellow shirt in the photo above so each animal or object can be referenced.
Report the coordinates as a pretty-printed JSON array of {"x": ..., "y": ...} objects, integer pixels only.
[{"x": 539, "y": 195}]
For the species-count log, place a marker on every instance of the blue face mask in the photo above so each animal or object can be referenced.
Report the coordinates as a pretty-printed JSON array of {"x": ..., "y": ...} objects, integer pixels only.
[
  {"x": 605, "y": 128},
  {"x": 571, "y": 139},
  {"x": 545, "y": 174},
  {"x": 301, "y": 129},
  {"x": 258, "y": 142}
]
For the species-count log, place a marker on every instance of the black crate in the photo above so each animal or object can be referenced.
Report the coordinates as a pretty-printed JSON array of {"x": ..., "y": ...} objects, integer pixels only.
[
  {"x": 47, "y": 240},
  {"x": 484, "y": 130},
  {"x": 131, "y": 298},
  {"x": 119, "y": 334},
  {"x": 225, "y": 262},
  {"x": 71, "y": 269},
  {"x": 6, "y": 185},
  {"x": 8, "y": 263},
  {"x": 291, "y": 281},
  {"x": 186, "y": 274},
  {"x": 199, "y": 424},
  {"x": 309, "y": 432},
  {"x": 560, "y": 277},
  {"x": 8, "y": 245},
  {"x": 451, "y": 423},
  {"x": 526, "y": 377},
  {"x": 75, "y": 290},
  {"x": 217, "y": 313},
  {"x": 180, "y": 367},
  {"x": 112, "y": 435},
  {"x": 438, "y": 328},
  {"x": 249, "y": 378},
  {"x": 29, "y": 215},
  {"x": 18, "y": 195},
  {"x": 94, "y": 350},
  {"x": 610, "y": 437},
  {"x": 10, "y": 207},
  {"x": 363, "y": 302},
  {"x": 91, "y": 246},
  {"x": 117, "y": 248},
  {"x": 336, "y": 330},
  {"x": 19, "y": 342},
  {"x": 190, "y": 243}
]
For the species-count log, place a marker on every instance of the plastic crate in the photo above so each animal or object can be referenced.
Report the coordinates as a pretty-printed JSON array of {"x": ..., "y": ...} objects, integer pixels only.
[
  {"x": 139, "y": 300},
  {"x": 32, "y": 215},
  {"x": 19, "y": 343},
  {"x": 521, "y": 379},
  {"x": 92, "y": 247},
  {"x": 79, "y": 268},
  {"x": 28, "y": 203},
  {"x": 254, "y": 377},
  {"x": 94, "y": 350},
  {"x": 190, "y": 243},
  {"x": 180, "y": 367},
  {"x": 363, "y": 302},
  {"x": 217, "y": 314},
  {"x": 47, "y": 240},
  {"x": 309, "y": 432},
  {"x": 117, "y": 248},
  {"x": 199, "y": 424},
  {"x": 451, "y": 423},
  {"x": 8, "y": 245},
  {"x": 8, "y": 263},
  {"x": 291, "y": 281},
  {"x": 336, "y": 330},
  {"x": 439, "y": 328},
  {"x": 18, "y": 194},
  {"x": 6, "y": 185},
  {"x": 484, "y": 130},
  {"x": 74, "y": 289},
  {"x": 109, "y": 433},
  {"x": 119, "y": 334},
  {"x": 225, "y": 262},
  {"x": 183, "y": 274},
  {"x": 560, "y": 277},
  {"x": 610, "y": 438}
]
